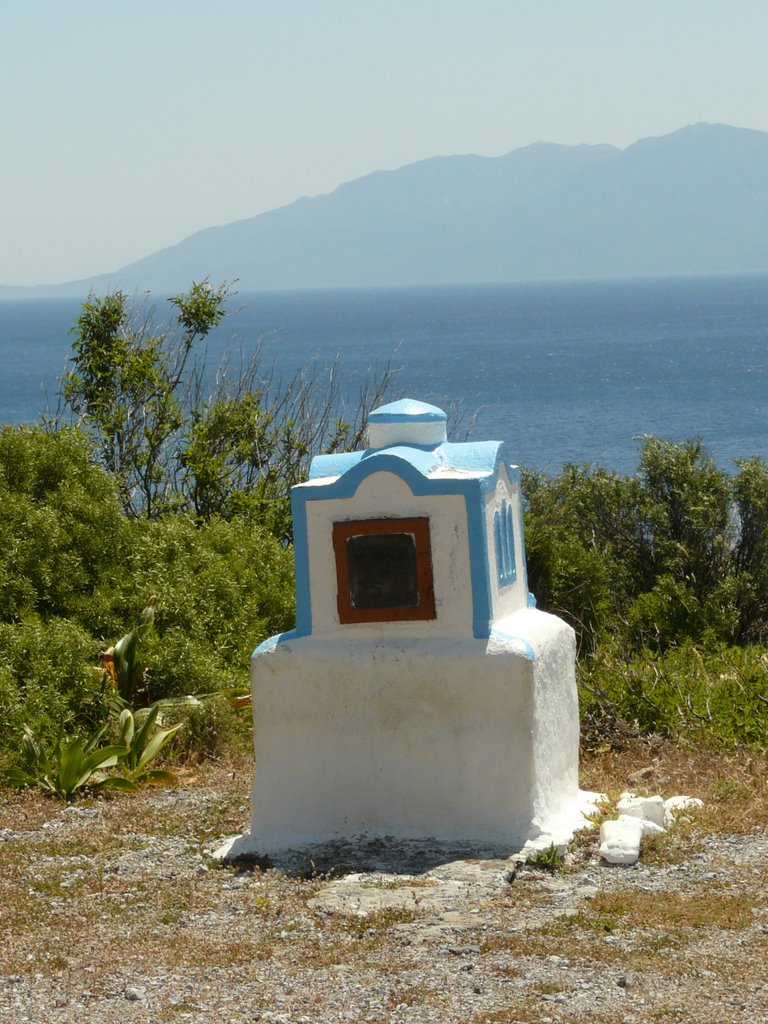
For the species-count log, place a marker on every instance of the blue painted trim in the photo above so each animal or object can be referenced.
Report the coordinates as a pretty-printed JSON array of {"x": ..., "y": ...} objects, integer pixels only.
[
  {"x": 479, "y": 564},
  {"x": 531, "y": 600},
  {"x": 272, "y": 642},
  {"x": 503, "y": 530},
  {"x": 407, "y": 410},
  {"x": 301, "y": 561},
  {"x": 517, "y": 643},
  {"x": 481, "y": 458},
  {"x": 472, "y": 489},
  {"x": 499, "y": 546},
  {"x": 510, "y": 541}
]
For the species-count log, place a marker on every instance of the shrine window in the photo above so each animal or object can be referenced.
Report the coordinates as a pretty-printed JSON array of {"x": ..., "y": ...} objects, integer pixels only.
[{"x": 384, "y": 570}]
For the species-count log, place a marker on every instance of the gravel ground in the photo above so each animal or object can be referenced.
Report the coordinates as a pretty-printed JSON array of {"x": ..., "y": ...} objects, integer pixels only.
[{"x": 113, "y": 911}]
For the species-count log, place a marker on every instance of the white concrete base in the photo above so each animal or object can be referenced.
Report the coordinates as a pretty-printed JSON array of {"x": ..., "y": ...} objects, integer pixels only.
[
  {"x": 361, "y": 853},
  {"x": 467, "y": 742},
  {"x": 577, "y": 817},
  {"x": 402, "y": 855}
]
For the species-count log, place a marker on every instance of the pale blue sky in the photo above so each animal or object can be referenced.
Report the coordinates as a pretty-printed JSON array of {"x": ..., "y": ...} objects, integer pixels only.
[{"x": 129, "y": 125}]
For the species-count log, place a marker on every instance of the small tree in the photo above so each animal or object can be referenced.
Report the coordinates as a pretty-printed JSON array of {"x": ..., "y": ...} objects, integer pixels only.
[
  {"x": 126, "y": 387},
  {"x": 142, "y": 398}
]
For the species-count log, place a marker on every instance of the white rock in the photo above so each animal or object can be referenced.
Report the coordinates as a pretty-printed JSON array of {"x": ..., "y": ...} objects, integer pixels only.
[
  {"x": 648, "y": 808},
  {"x": 650, "y": 828},
  {"x": 675, "y": 804},
  {"x": 620, "y": 840}
]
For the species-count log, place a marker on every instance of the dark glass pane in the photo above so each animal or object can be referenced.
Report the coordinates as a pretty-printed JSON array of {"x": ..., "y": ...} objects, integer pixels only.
[{"x": 382, "y": 570}]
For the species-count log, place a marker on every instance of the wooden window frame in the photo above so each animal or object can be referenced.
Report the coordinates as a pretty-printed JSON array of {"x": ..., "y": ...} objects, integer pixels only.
[{"x": 419, "y": 528}]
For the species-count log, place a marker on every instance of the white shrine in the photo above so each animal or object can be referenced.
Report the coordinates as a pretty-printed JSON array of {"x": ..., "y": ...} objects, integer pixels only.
[{"x": 421, "y": 696}]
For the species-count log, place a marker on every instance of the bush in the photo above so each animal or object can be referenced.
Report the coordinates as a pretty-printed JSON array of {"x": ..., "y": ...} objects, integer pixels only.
[
  {"x": 221, "y": 588},
  {"x": 587, "y": 546},
  {"x": 664, "y": 576},
  {"x": 678, "y": 552},
  {"x": 47, "y": 678},
  {"x": 60, "y": 525},
  {"x": 140, "y": 394},
  {"x": 716, "y": 694},
  {"x": 75, "y": 573},
  {"x": 212, "y": 729}
]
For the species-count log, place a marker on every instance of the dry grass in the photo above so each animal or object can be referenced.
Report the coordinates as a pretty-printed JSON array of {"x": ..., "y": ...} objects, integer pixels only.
[
  {"x": 733, "y": 786},
  {"x": 412, "y": 995},
  {"x": 531, "y": 1011},
  {"x": 376, "y": 920},
  {"x": 65, "y": 876},
  {"x": 635, "y": 909}
]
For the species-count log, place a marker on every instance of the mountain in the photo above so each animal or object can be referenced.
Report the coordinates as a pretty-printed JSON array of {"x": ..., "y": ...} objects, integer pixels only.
[{"x": 690, "y": 202}]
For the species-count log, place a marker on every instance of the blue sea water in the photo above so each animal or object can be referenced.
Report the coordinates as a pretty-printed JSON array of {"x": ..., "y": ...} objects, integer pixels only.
[{"x": 561, "y": 371}]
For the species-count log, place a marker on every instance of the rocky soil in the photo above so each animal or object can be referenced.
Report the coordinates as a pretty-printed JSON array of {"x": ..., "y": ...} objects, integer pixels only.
[{"x": 113, "y": 910}]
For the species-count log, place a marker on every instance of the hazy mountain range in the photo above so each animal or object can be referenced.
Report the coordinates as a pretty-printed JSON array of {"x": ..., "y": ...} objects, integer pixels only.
[{"x": 690, "y": 202}]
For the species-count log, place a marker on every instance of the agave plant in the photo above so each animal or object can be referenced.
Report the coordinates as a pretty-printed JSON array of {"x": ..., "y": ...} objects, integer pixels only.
[
  {"x": 142, "y": 742},
  {"x": 72, "y": 767},
  {"x": 121, "y": 663}
]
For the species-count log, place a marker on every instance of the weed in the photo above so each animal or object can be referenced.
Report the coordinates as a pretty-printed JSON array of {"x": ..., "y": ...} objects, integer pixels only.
[
  {"x": 121, "y": 664},
  {"x": 143, "y": 742},
  {"x": 605, "y": 809},
  {"x": 508, "y": 971},
  {"x": 672, "y": 847},
  {"x": 639, "y": 909},
  {"x": 549, "y": 859},
  {"x": 724, "y": 791},
  {"x": 519, "y": 1013},
  {"x": 548, "y": 988},
  {"x": 210, "y": 952},
  {"x": 71, "y": 768},
  {"x": 414, "y": 995},
  {"x": 400, "y": 883},
  {"x": 377, "y": 920}
]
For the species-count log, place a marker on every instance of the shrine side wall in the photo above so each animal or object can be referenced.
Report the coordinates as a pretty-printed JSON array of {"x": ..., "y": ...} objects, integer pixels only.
[{"x": 507, "y": 596}]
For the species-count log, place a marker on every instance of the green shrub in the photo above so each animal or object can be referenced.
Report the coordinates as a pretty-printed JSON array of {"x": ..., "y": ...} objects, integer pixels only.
[
  {"x": 211, "y": 729},
  {"x": 678, "y": 552},
  {"x": 688, "y": 513},
  {"x": 221, "y": 588},
  {"x": 141, "y": 739},
  {"x": 74, "y": 574},
  {"x": 48, "y": 679},
  {"x": 586, "y": 546},
  {"x": 60, "y": 525},
  {"x": 716, "y": 695}
]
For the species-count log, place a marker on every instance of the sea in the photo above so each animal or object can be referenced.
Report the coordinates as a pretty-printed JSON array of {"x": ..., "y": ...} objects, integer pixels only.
[{"x": 562, "y": 371}]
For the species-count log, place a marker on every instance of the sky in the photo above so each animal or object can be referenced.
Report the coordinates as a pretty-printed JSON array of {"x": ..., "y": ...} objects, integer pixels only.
[{"x": 127, "y": 126}]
